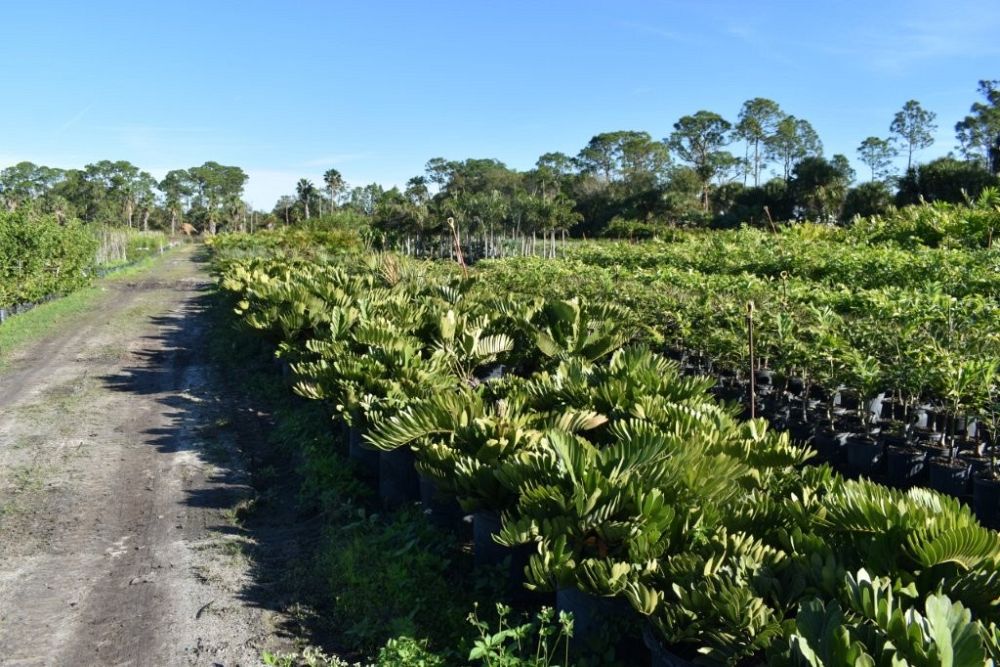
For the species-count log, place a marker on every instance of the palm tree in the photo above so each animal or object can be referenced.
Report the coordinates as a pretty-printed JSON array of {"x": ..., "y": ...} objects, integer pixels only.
[
  {"x": 334, "y": 184},
  {"x": 306, "y": 191}
]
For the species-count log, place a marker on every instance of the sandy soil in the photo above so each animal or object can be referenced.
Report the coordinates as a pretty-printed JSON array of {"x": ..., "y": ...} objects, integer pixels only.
[{"x": 118, "y": 488}]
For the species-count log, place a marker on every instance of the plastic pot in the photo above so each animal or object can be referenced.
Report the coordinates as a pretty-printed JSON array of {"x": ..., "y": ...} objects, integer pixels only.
[
  {"x": 893, "y": 440},
  {"x": 800, "y": 431},
  {"x": 864, "y": 454},
  {"x": 442, "y": 509},
  {"x": 676, "y": 353},
  {"x": 986, "y": 500},
  {"x": 366, "y": 459},
  {"x": 949, "y": 476},
  {"x": 398, "y": 483},
  {"x": 730, "y": 394},
  {"x": 893, "y": 410},
  {"x": 846, "y": 400},
  {"x": 485, "y": 549},
  {"x": 764, "y": 377},
  {"x": 980, "y": 464},
  {"x": 906, "y": 465},
  {"x": 829, "y": 446},
  {"x": 660, "y": 654},
  {"x": 487, "y": 553},
  {"x": 593, "y": 617},
  {"x": 925, "y": 437},
  {"x": 590, "y": 612}
]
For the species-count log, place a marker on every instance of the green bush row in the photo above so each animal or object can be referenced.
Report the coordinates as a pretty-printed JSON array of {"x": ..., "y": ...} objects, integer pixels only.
[
  {"x": 40, "y": 257},
  {"x": 627, "y": 478}
]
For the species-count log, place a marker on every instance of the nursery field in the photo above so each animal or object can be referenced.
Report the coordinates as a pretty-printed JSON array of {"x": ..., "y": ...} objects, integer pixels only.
[{"x": 744, "y": 447}]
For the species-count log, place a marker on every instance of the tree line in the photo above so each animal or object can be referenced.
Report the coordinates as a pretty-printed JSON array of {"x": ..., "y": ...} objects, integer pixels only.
[
  {"x": 765, "y": 166},
  {"x": 119, "y": 193}
]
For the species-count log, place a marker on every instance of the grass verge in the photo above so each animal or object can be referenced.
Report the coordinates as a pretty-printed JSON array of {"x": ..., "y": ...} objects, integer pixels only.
[{"x": 51, "y": 316}]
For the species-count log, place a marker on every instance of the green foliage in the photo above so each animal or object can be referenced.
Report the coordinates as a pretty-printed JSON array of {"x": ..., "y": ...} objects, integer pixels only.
[
  {"x": 407, "y": 652},
  {"x": 626, "y": 476},
  {"x": 543, "y": 642},
  {"x": 879, "y": 624},
  {"x": 866, "y": 200},
  {"x": 944, "y": 180},
  {"x": 392, "y": 576},
  {"x": 39, "y": 257}
]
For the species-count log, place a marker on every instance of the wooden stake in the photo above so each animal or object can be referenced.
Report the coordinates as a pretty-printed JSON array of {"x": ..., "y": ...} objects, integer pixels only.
[
  {"x": 458, "y": 247},
  {"x": 753, "y": 377},
  {"x": 770, "y": 220}
]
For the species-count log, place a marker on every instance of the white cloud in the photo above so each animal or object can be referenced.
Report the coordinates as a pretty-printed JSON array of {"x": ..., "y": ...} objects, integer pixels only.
[
  {"x": 77, "y": 117},
  {"x": 931, "y": 33},
  {"x": 658, "y": 32}
]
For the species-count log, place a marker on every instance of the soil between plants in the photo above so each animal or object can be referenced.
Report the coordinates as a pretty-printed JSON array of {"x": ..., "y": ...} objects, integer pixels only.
[{"x": 120, "y": 477}]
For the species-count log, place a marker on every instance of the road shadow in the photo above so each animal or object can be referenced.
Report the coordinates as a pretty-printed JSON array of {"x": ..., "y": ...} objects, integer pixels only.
[{"x": 197, "y": 368}]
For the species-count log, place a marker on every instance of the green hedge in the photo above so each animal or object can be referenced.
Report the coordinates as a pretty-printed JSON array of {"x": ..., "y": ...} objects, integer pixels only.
[{"x": 40, "y": 257}]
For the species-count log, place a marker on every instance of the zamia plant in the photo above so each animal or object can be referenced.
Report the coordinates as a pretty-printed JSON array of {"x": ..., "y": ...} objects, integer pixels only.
[
  {"x": 924, "y": 537},
  {"x": 463, "y": 343},
  {"x": 291, "y": 305},
  {"x": 569, "y": 329},
  {"x": 635, "y": 384},
  {"x": 391, "y": 373},
  {"x": 461, "y": 439},
  {"x": 603, "y": 515},
  {"x": 598, "y": 513},
  {"x": 720, "y": 599},
  {"x": 876, "y": 621}
]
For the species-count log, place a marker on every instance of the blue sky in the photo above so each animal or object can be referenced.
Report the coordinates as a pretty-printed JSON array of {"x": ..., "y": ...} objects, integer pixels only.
[{"x": 376, "y": 88}]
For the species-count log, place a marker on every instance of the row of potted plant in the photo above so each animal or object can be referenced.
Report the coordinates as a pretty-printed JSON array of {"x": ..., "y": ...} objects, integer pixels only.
[
  {"x": 927, "y": 359},
  {"x": 625, "y": 479},
  {"x": 950, "y": 246}
]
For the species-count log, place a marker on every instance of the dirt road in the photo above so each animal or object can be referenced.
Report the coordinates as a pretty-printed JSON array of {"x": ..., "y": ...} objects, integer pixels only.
[{"x": 117, "y": 492}]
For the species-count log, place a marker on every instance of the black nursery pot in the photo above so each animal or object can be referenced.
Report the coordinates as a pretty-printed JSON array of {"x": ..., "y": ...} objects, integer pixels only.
[
  {"x": 398, "y": 483},
  {"x": 829, "y": 446},
  {"x": 980, "y": 464},
  {"x": 893, "y": 440},
  {"x": 442, "y": 509},
  {"x": 487, "y": 553},
  {"x": 660, "y": 654},
  {"x": 764, "y": 377},
  {"x": 950, "y": 477},
  {"x": 592, "y": 617},
  {"x": 986, "y": 500},
  {"x": 676, "y": 353},
  {"x": 906, "y": 465},
  {"x": 800, "y": 431},
  {"x": 366, "y": 459},
  {"x": 864, "y": 454},
  {"x": 729, "y": 393},
  {"x": 846, "y": 400}
]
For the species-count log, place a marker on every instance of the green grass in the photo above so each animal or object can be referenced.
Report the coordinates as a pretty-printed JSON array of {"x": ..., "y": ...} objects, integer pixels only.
[{"x": 48, "y": 317}]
